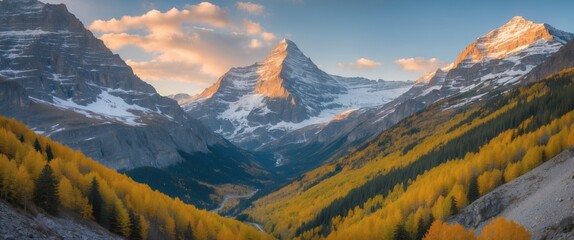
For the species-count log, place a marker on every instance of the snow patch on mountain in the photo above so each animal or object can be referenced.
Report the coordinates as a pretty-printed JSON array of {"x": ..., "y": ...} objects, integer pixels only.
[
  {"x": 285, "y": 92},
  {"x": 106, "y": 107}
]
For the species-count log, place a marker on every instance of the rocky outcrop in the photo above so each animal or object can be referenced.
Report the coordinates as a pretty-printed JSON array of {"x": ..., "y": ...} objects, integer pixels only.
[
  {"x": 13, "y": 95},
  {"x": 540, "y": 200},
  {"x": 559, "y": 61},
  {"x": 16, "y": 224}
]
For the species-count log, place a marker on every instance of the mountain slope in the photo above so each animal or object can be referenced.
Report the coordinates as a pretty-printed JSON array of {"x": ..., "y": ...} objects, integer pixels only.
[
  {"x": 555, "y": 63},
  {"x": 254, "y": 105},
  {"x": 62, "y": 81},
  {"x": 87, "y": 191},
  {"x": 536, "y": 200},
  {"x": 19, "y": 225},
  {"x": 418, "y": 167},
  {"x": 494, "y": 62}
]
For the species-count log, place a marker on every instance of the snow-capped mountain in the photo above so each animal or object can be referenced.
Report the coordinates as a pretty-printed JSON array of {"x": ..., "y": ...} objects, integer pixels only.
[
  {"x": 65, "y": 83},
  {"x": 50, "y": 53},
  {"x": 498, "y": 58},
  {"x": 491, "y": 64},
  {"x": 60, "y": 80},
  {"x": 254, "y": 105}
]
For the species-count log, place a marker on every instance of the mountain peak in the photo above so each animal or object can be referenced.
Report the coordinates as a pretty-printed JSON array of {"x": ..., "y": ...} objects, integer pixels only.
[
  {"x": 514, "y": 36},
  {"x": 285, "y": 48},
  {"x": 285, "y": 55},
  {"x": 518, "y": 19}
]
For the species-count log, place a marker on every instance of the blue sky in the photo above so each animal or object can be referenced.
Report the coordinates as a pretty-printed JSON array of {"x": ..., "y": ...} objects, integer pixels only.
[{"x": 334, "y": 34}]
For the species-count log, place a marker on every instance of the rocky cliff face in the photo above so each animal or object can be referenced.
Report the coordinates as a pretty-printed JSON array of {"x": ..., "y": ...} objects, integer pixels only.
[
  {"x": 13, "y": 96},
  {"x": 490, "y": 65},
  {"x": 563, "y": 59},
  {"x": 66, "y": 84},
  {"x": 254, "y": 105}
]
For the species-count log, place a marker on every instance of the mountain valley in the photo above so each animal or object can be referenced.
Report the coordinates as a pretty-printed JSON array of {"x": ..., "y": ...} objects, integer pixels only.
[{"x": 480, "y": 147}]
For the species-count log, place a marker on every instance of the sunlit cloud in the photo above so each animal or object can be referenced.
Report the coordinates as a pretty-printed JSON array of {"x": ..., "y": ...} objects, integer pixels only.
[
  {"x": 197, "y": 44},
  {"x": 420, "y": 64},
  {"x": 255, "y": 43},
  {"x": 155, "y": 70},
  {"x": 361, "y": 64},
  {"x": 268, "y": 36},
  {"x": 251, "y": 27},
  {"x": 250, "y": 7}
]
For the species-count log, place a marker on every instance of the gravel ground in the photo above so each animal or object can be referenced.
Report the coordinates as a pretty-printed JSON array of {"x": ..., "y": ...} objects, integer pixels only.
[
  {"x": 542, "y": 200},
  {"x": 15, "y": 225}
]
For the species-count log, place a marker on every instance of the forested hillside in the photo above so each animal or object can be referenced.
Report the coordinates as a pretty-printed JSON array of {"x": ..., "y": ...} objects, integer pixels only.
[
  {"x": 427, "y": 167},
  {"x": 38, "y": 173}
]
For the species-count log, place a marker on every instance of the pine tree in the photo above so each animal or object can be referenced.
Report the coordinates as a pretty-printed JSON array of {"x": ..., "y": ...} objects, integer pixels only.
[
  {"x": 453, "y": 206},
  {"x": 420, "y": 230},
  {"x": 401, "y": 233},
  {"x": 45, "y": 193},
  {"x": 136, "y": 231},
  {"x": 95, "y": 199},
  {"x": 49, "y": 153},
  {"x": 424, "y": 228},
  {"x": 473, "y": 190},
  {"x": 188, "y": 235},
  {"x": 37, "y": 145},
  {"x": 113, "y": 220}
]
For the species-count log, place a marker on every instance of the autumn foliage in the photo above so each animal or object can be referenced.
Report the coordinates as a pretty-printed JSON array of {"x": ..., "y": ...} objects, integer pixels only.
[
  {"x": 430, "y": 164},
  {"x": 497, "y": 229},
  {"x": 70, "y": 181}
]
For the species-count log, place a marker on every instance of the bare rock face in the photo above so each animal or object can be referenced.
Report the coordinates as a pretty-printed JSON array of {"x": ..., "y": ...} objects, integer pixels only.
[
  {"x": 254, "y": 105},
  {"x": 13, "y": 95},
  {"x": 17, "y": 224},
  {"x": 482, "y": 211},
  {"x": 563, "y": 59},
  {"x": 540, "y": 200}
]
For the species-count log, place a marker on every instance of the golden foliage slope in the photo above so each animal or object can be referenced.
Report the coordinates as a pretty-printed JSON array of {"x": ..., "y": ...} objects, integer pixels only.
[
  {"x": 511, "y": 152},
  {"x": 160, "y": 216}
]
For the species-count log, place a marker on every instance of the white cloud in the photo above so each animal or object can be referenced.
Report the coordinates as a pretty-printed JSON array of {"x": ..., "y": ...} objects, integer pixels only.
[
  {"x": 250, "y": 7},
  {"x": 268, "y": 36},
  {"x": 361, "y": 64},
  {"x": 196, "y": 44},
  {"x": 420, "y": 64},
  {"x": 251, "y": 27},
  {"x": 165, "y": 22},
  {"x": 255, "y": 43}
]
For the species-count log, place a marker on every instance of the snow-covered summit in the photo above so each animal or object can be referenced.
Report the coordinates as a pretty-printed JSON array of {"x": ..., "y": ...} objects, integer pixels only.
[
  {"x": 286, "y": 91},
  {"x": 498, "y": 58},
  {"x": 515, "y": 36},
  {"x": 49, "y": 52}
]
